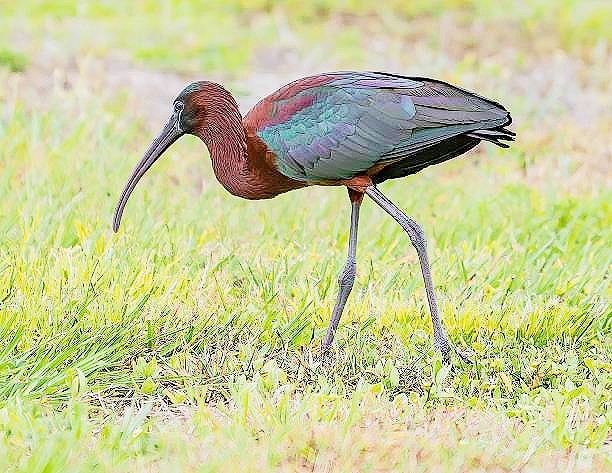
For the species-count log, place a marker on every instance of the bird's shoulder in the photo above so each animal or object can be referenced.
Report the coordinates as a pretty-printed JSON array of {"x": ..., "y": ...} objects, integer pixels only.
[{"x": 312, "y": 93}]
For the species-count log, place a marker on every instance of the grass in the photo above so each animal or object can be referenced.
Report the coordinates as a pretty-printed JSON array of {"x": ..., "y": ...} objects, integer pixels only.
[
  {"x": 14, "y": 62},
  {"x": 189, "y": 341},
  {"x": 225, "y": 37}
]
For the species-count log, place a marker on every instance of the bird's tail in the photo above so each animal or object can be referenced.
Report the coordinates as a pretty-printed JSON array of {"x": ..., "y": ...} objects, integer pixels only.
[{"x": 494, "y": 135}]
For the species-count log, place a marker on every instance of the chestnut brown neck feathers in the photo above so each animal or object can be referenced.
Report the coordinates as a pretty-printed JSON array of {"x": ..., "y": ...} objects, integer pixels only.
[{"x": 241, "y": 161}]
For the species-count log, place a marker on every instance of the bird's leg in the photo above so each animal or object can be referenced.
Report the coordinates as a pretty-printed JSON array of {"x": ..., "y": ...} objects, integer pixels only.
[
  {"x": 347, "y": 276},
  {"x": 417, "y": 238}
]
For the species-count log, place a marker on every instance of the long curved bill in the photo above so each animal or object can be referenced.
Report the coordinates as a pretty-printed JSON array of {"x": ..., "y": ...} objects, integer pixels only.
[{"x": 168, "y": 135}]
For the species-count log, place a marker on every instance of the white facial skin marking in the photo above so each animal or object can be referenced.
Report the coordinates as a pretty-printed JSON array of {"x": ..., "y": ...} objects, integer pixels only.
[{"x": 178, "y": 110}]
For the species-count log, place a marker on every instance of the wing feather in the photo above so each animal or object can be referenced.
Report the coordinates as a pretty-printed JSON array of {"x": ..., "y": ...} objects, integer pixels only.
[{"x": 338, "y": 125}]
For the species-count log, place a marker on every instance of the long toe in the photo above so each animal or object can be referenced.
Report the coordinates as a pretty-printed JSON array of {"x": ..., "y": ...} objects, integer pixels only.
[
  {"x": 464, "y": 356},
  {"x": 446, "y": 348}
]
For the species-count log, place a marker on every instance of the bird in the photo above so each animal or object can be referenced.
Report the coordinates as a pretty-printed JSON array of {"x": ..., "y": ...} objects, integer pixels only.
[{"x": 348, "y": 128}]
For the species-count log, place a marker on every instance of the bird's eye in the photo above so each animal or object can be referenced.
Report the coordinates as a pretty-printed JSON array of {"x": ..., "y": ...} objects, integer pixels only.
[{"x": 178, "y": 107}]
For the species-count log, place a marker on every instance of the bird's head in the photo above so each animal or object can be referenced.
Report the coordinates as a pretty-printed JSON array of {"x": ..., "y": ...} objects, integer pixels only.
[
  {"x": 190, "y": 106},
  {"x": 189, "y": 116}
]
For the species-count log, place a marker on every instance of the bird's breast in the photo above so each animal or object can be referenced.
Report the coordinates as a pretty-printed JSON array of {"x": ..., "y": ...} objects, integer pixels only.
[{"x": 252, "y": 173}]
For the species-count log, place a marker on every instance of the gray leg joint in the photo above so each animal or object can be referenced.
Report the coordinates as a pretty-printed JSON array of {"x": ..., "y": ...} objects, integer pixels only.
[{"x": 414, "y": 230}]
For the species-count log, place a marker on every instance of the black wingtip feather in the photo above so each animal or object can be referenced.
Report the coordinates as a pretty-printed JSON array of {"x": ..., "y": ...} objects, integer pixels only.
[
  {"x": 494, "y": 135},
  {"x": 506, "y": 131},
  {"x": 492, "y": 138}
]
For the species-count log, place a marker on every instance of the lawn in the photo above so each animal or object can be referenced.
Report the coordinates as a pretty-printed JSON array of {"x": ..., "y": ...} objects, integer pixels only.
[{"x": 190, "y": 340}]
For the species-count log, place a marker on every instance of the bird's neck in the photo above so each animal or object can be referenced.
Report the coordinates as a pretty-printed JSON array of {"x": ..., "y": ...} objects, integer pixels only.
[
  {"x": 228, "y": 153},
  {"x": 240, "y": 160},
  {"x": 222, "y": 132}
]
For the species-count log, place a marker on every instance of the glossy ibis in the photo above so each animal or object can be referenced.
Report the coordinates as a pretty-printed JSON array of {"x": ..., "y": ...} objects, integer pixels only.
[{"x": 352, "y": 129}]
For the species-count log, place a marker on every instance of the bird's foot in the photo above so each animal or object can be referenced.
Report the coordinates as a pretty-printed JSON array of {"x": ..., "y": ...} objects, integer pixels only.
[
  {"x": 464, "y": 356},
  {"x": 446, "y": 348},
  {"x": 326, "y": 351},
  {"x": 326, "y": 358}
]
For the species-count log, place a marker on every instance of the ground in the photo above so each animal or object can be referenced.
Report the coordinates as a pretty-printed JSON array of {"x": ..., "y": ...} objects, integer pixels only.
[{"x": 190, "y": 340}]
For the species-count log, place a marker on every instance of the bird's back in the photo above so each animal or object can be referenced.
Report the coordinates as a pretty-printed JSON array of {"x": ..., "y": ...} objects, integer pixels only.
[{"x": 334, "y": 126}]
